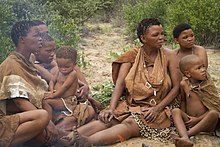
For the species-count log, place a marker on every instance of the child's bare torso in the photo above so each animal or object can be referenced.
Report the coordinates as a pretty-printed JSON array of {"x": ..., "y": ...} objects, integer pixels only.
[
  {"x": 194, "y": 106},
  {"x": 71, "y": 91}
]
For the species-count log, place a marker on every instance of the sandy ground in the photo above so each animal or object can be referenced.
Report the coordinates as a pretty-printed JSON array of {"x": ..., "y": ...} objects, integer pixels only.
[{"x": 98, "y": 43}]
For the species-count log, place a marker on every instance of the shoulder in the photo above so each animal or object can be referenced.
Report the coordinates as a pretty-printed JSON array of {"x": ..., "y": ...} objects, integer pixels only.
[
  {"x": 73, "y": 74},
  {"x": 168, "y": 51},
  {"x": 170, "y": 54},
  {"x": 128, "y": 56},
  {"x": 197, "y": 49},
  {"x": 184, "y": 82}
]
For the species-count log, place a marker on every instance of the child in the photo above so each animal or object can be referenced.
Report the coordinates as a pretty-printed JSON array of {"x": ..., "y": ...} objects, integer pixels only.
[
  {"x": 184, "y": 36},
  {"x": 63, "y": 88},
  {"x": 199, "y": 109},
  {"x": 44, "y": 57}
]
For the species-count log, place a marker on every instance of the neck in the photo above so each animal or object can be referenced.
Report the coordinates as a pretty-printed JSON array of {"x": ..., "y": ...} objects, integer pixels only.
[
  {"x": 185, "y": 50},
  {"x": 150, "y": 51},
  {"x": 194, "y": 82},
  {"x": 24, "y": 52}
]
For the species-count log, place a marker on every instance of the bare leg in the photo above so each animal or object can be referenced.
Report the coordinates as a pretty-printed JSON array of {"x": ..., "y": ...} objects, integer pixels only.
[
  {"x": 207, "y": 124},
  {"x": 92, "y": 114},
  {"x": 31, "y": 124},
  {"x": 179, "y": 118},
  {"x": 87, "y": 130},
  {"x": 121, "y": 132},
  {"x": 50, "y": 104}
]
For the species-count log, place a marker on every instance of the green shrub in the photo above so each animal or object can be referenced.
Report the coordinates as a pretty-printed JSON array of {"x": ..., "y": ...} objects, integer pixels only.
[
  {"x": 133, "y": 14},
  {"x": 202, "y": 15},
  {"x": 103, "y": 92}
]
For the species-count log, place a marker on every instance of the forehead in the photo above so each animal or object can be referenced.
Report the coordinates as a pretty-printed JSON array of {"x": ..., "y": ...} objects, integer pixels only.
[
  {"x": 154, "y": 28},
  {"x": 63, "y": 61},
  {"x": 197, "y": 61},
  {"x": 49, "y": 44},
  {"x": 185, "y": 32}
]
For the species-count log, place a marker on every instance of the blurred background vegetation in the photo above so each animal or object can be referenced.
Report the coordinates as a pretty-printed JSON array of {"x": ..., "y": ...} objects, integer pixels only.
[{"x": 66, "y": 18}]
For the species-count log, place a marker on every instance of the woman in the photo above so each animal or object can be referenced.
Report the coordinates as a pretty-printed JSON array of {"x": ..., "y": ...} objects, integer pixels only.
[{"x": 149, "y": 75}]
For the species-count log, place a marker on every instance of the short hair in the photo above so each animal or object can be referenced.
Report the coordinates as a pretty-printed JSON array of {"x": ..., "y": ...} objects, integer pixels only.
[
  {"x": 67, "y": 52},
  {"x": 39, "y": 22},
  {"x": 21, "y": 29},
  {"x": 179, "y": 28},
  {"x": 45, "y": 37},
  {"x": 144, "y": 25},
  {"x": 187, "y": 61}
]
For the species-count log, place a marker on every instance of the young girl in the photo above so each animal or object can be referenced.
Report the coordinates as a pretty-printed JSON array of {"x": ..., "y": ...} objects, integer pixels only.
[{"x": 184, "y": 36}]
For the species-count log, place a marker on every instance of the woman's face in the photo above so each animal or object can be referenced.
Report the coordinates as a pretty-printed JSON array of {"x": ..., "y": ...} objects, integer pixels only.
[
  {"x": 186, "y": 39},
  {"x": 153, "y": 37}
]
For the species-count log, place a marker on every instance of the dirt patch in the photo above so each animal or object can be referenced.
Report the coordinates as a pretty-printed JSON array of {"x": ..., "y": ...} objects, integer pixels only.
[{"x": 100, "y": 42}]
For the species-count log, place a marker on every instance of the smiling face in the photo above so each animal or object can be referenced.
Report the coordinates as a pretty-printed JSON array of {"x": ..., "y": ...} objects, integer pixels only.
[
  {"x": 33, "y": 40},
  {"x": 186, "y": 39},
  {"x": 65, "y": 65},
  {"x": 153, "y": 37}
]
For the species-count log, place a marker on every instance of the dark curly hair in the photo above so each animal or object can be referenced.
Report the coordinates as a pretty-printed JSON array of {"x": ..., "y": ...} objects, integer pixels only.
[
  {"x": 179, "y": 28},
  {"x": 144, "y": 24},
  {"x": 45, "y": 37},
  {"x": 21, "y": 29},
  {"x": 67, "y": 52}
]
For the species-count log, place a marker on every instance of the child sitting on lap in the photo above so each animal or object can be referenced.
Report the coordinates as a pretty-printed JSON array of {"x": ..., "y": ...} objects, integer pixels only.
[{"x": 63, "y": 88}]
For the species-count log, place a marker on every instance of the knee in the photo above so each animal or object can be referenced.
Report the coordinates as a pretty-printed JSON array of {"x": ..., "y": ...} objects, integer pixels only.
[
  {"x": 92, "y": 112},
  {"x": 129, "y": 122},
  {"x": 43, "y": 116},
  {"x": 175, "y": 111},
  {"x": 213, "y": 114}
]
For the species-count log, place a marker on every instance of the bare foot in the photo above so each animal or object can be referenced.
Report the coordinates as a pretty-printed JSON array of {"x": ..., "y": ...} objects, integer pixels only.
[
  {"x": 182, "y": 142},
  {"x": 70, "y": 139}
]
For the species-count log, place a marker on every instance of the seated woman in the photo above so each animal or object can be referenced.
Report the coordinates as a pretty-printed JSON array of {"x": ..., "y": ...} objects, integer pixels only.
[{"x": 149, "y": 76}]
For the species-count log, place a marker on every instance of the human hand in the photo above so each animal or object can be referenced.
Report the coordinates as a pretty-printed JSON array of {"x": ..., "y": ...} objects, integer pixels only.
[
  {"x": 48, "y": 95},
  {"x": 191, "y": 122},
  {"x": 150, "y": 114},
  {"x": 83, "y": 91},
  {"x": 106, "y": 116}
]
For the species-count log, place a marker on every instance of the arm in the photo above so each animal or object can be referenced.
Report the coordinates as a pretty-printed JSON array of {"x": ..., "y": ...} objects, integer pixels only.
[
  {"x": 80, "y": 74},
  {"x": 175, "y": 79},
  {"x": 23, "y": 104},
  {"x": 106, "y": 115},
  {"x": 44, "y": 73},
  {"x": 72, "y": 77},
  {"x": 183, "y": 97},
  {"x": 84, "y": 86},
  {"x": 201, "y": 52}
]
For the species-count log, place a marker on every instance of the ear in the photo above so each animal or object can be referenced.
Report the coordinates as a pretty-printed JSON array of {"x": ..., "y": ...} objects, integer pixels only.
[
  {"x": 176, "y": 41},
  {"x": 143, "y": 38},
  {"x": 21, "y": 39},
  {"x": 187, "y": 74}
]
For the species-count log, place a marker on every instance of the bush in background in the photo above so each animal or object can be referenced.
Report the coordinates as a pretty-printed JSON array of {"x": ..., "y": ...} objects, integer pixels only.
[{"x": 202, "y": 15}]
